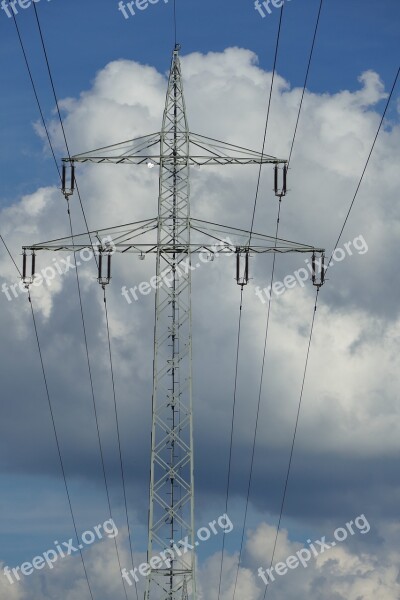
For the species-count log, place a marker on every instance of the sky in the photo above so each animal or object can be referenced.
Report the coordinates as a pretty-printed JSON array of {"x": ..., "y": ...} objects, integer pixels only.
[{"x": 110, "y": 75}]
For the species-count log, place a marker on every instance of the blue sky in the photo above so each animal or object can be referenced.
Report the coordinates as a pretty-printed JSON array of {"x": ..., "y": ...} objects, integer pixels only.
[
  {"x": 333, "y": 480},
  {"x": 81, "y": 38}
]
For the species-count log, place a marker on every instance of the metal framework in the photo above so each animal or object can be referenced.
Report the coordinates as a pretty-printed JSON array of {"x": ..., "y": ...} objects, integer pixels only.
[{"x": 174, "y": 237}]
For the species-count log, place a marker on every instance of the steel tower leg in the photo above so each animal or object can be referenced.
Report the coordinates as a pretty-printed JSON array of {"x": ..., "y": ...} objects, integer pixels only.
[{"x": 171, "y": 512}]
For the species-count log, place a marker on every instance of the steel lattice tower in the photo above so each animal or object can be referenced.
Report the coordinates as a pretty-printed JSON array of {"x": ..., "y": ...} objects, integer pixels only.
[
  {"x": 179, "y": 237},
  {"x": 171, "y": 483}
]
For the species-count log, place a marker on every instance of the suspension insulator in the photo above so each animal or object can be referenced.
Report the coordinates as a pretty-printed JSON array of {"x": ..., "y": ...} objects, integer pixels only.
[
  {"x": 64, "y": 177},
  {"x": 28, "y": 279},
  {"x": 318, "y": 270},
  {"x": 33, "y": 269},
  {"x": 285, "y": 171},
  {"x": 242, "y": 266},
  {"x": 280, "y": 191},
  {"x": 108, "y": 267},
  {"x": 104, "y": 275},
  {"x": 24, "y": 266},
  {"x": 68, "y": 179}
]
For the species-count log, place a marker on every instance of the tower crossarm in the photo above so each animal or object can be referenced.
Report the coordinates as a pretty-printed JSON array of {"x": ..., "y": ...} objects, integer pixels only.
[
  {"x": 213, "y": 244},
  {"x": 140, "y": 238},
  {"x": 199, "y": 151}
]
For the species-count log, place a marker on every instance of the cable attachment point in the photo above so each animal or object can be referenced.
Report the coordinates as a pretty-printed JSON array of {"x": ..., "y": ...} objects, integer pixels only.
[
  {"x": 104, "y": 275},
  {"x": 242, "y": 266},
  {"x": 318, "y": 270},
  {"x": 68, "y": 179},
  {"x": 28, "y": 279},
  {"x": 279, "y": 192}
]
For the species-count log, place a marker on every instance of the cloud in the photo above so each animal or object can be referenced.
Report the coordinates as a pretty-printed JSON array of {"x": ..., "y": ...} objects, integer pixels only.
[
  {"x": 348, "y": 437},
  {"x": 68, "y": 574},
  {"x": 344, "y": 572}
]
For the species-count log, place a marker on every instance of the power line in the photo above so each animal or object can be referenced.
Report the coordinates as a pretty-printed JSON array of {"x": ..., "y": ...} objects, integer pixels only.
[
  {"x": 313, "y": 321},
  {"x": 57, "y": 442},
  {"x": 53, "y": 422},
  {"x": 10, "y": 255},
  {"x": 175, "y": 24},
  {"x": 105, "y": 304},
  {"x": 267, "y": 120},
  {"x": 33, "y": 313},
  {"x": 94, "y": 400},
  {"x": 118, "y": 435},
  {"x": 366, "y": 164},
  {"x": 84, "y": 327},
  {"x": 60, "y": 118},
  {"x": 268, "y": 315},
  {"x": 51, "y": 78},
  {"x": 258, "y": 408},
  {"x": 39, "y": 105},
  {"x": 306, "y": 79},
  {"x": 241, "y": 293},
  {"x": 231, "y": 437},
  {"x": 295, "y": 433},
  {"x": 53, "y": 153},
  {"x": 36, "y": 94}
]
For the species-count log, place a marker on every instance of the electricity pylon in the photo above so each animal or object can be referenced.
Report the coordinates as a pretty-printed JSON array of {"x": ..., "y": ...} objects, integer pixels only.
[{"x": 179, "y": 237}]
